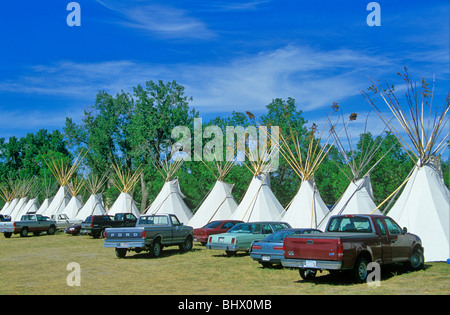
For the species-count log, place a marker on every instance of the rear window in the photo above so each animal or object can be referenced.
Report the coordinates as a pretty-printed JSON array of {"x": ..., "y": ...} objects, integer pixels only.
[
  {"x": 153, "y": 220},
  {"x": 101, "y": 219},
  {"x": 213, "y": 224},
  {"x": 350, "y": 224}
]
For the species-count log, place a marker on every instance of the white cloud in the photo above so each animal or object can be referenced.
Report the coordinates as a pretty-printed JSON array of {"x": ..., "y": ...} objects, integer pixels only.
[{"x": 160, "y": 20}]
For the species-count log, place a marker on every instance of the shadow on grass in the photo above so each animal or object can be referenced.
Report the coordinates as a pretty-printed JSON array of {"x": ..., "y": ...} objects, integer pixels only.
[
  {"x": 166, "y": 252},
  {"x": 344, "y": 278}
]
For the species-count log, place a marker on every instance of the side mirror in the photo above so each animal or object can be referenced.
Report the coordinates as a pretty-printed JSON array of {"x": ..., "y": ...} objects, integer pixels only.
[{"x": 405, "y": 230}]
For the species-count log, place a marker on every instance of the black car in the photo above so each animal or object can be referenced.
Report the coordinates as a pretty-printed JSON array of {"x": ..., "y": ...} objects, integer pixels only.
[
  {"x": 5, "y": 218},
  {"x": 95, "y": 225}
]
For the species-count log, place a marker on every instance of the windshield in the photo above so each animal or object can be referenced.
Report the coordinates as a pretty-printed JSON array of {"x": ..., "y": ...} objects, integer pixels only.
[
  {"x": 350, "y": 224},
  {"x": 243, "y": 228}
]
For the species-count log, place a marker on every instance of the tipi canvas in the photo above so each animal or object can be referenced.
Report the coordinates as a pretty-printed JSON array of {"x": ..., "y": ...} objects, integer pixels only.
[
  {"x": 259, "y": 203},
  {"x": 170, "y": 200},
  {"x": 424, "y": 207},
  {"x": 219, "y": 205}
]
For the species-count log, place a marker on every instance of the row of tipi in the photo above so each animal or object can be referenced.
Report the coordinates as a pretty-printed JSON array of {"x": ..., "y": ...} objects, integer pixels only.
[{"x": 423, "y": 206}]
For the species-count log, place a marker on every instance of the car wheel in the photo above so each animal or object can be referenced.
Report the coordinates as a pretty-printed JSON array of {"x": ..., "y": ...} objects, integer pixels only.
[
  {"x": 307, "y": 274},
  {"x": 7, "y": 234},
  {"x": 156, "y": 249},
  {"x": 187, "y": 245},
  {"x": 121, "y": 252},
  {"x": 360, "y": 270},
  {"x": 24, "y": 232},
  {"x": 417, "y": 259},
  {"x": 51, "y": 230}
]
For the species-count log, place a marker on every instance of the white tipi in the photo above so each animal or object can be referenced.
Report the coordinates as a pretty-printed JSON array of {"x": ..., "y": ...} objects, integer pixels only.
[
  {"x": 358, "y": 197},
  {"x": 76, "y": 202},
  {"x": 220, "y": 203},
  {"x": 424, "y": 205},
  {"x": 307, "y": 209},
  {"x": 170, "y": 198},
  {"x": 125, "y": 182},
  {"x": 94, "y": 205},
  {"x": 63, "y": 173},
  {"x": 259, "y": 202}
]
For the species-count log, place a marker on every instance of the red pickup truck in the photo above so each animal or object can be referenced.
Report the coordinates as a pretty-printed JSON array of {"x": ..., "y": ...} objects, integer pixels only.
[{"x": 351, "y": 242}]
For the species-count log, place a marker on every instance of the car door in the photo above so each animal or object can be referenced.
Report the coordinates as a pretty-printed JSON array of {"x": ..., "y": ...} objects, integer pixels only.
[
  {"x": 178, "y": 232},
  {"x": 130, "y": 220},
  {"x": 386, "y": 249},
  {"x": 40, "y": 224},
  {"x": 399, "y": 243}
]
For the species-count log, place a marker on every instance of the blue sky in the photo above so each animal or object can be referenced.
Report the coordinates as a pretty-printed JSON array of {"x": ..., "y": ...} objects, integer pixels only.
[{"x": 229, "y": 55}]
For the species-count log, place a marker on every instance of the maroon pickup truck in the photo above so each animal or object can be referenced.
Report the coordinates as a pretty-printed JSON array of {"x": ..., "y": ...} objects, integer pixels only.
[{"x": 351, "y": 242}]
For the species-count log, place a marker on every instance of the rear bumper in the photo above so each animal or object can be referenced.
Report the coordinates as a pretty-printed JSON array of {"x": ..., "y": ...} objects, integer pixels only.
[
  {"x": 312, "y": 264},
  {"x": 267, "y": 257},
  {"x": 231, "y": 248},
  {"x": 8, "y": 230},
  {"x": 124, "y": 244}
]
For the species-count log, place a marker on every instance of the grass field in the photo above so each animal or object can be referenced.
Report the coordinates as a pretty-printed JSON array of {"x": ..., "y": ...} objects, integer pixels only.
[{"x": 38, "y": 265}]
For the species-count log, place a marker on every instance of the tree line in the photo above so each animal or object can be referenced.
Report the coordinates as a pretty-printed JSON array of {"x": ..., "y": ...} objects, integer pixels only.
[{"x": 134, "y": 130}]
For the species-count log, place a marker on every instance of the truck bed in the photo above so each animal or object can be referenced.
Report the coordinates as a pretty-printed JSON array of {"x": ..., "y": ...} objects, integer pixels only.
[{"x": 328, "y": 246}]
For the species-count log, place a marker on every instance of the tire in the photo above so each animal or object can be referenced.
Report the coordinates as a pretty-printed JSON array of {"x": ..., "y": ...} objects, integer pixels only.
[
  {"x": 266, "y": 264},
  {"x": 121, "y": 252},
  {"x": 417, "y": 259},
  {"x": 7, "y": 234},
  {"x": 51, "y": 230},
  {"x": 359, "y": 272},
  {"x": 24, "y": 232},
  {"x": 187, "y": 245},
  {"x": 155, "y": 249},
  {"x": 307, "y": 274}
]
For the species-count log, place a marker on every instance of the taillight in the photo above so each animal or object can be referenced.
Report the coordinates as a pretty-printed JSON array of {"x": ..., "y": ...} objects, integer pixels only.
[
  {"x": 256, "y": 247},
  {"x": 232, "y": 240},
  {"x": 278, "y": 247},
  {"x": 144, "y": 234},
  {"x": 210, "y": 239},
  {"x": 340, "y": 249},
  {"x": 14, "y": 224},
  {"x": 92, "y": 225}
]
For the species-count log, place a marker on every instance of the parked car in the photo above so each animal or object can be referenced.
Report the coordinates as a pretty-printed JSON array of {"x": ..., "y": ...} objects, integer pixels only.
[
  {"x": 152, "y": 233},
  {"x": 351, "y": 242},
  {"x": 270, "y": 250},
  {"x": 214, "y": 227},
  {"x": 5, "y": 218},
  {"x": 95, "y": 225},
  {"x": 35, "y": 223},
  {"x": 242, "y": 235},
  {"x": 62, "y": 221},
  {"x": 73, "y": 229}
]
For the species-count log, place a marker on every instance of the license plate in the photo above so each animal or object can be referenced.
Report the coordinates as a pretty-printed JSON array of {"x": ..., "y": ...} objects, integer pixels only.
[
  {"x": 311, "y": 264},
  {"x": 265, "y": 258},
  {"x": 221, "y": 239}
]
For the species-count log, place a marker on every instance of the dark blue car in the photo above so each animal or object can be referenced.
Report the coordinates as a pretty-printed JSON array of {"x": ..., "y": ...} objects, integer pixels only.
[{"x": 270, "y": 250}]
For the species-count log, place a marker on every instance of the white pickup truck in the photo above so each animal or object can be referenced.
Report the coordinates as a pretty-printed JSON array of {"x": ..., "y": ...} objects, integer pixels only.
[{"x": 34, "y": 223}]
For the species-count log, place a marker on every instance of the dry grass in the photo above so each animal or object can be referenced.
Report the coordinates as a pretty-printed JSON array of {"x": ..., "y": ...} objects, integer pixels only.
[{"x": 37, "y": 265}]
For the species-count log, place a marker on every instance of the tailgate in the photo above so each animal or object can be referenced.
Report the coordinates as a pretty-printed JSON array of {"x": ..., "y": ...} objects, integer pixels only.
[
  {"x": 124, "y": 234},
  {"x": 311, "y": 248}
]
